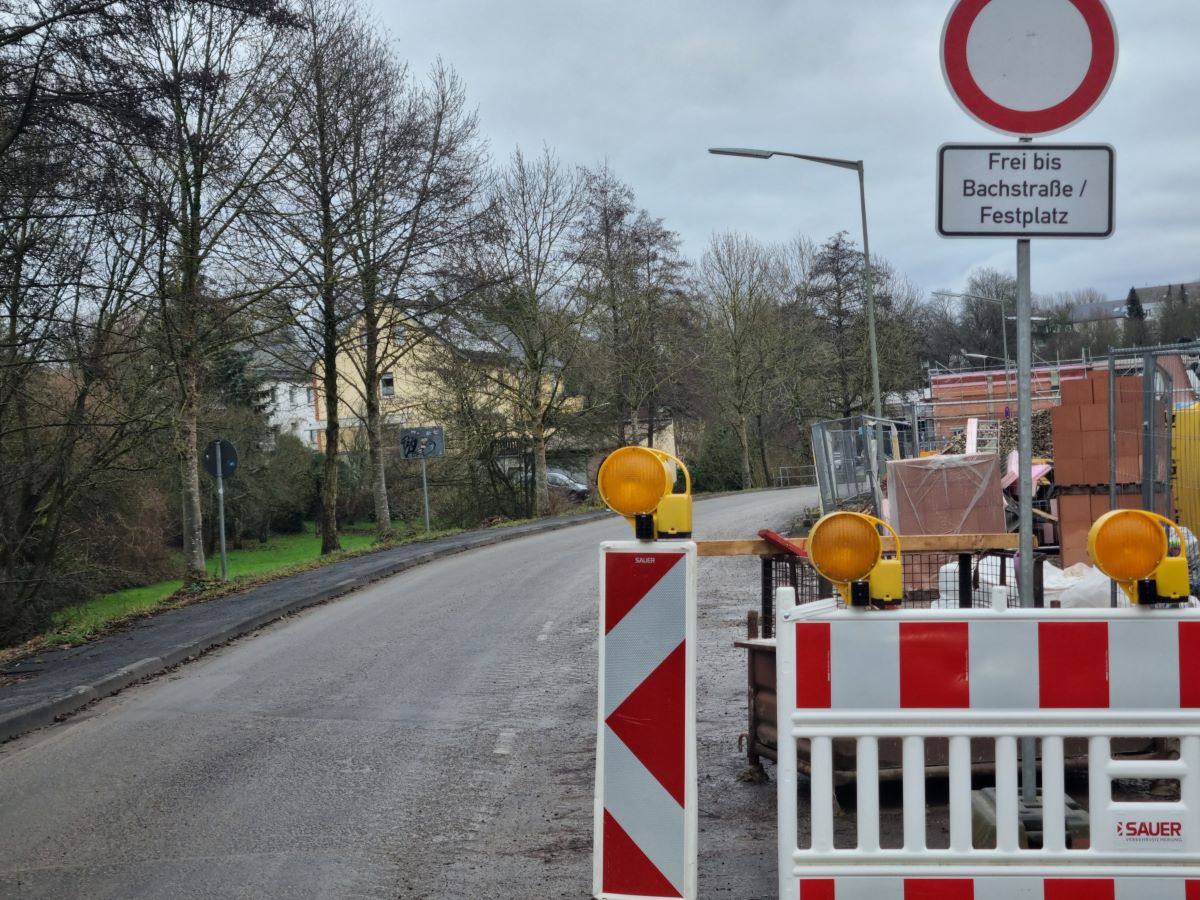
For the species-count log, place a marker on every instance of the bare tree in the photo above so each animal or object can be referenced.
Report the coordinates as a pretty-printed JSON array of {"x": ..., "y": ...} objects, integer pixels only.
[
  {"x": 741, "y": 285},
  {"x": 207, "y": 76},
  {"x": 334, "y": 78},
  {"x": 534, "y": 322},
  {"x": 76, "y": 399},
  {"x": 634, "y": 274},
  {"x": 413, "y": 183},
  {"x": 47, "y": 71}
]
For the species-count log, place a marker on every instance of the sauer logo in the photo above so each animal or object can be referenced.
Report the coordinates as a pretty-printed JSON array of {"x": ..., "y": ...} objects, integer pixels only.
[{"x": 1160, "y": 829}]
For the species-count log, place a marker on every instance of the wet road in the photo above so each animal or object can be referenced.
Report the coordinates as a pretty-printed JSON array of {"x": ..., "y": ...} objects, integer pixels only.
[{"x": 429, "y": 737}]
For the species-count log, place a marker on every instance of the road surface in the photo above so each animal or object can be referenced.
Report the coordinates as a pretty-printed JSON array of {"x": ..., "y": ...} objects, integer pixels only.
[{"x": 429, "y": 737}]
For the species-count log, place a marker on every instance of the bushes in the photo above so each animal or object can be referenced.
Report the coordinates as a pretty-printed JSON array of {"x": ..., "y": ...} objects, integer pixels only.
[{"x": 719, "y": 467}]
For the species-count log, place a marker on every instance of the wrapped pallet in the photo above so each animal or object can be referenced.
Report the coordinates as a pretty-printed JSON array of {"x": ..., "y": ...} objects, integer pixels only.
[{"x": 954, "y": 494}]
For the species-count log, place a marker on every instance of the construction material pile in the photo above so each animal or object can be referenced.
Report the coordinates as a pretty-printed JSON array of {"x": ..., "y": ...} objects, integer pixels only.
[{"x": 1043, "y": 440}]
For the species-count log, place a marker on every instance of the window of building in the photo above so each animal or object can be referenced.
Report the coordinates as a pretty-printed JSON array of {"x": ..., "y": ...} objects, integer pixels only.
[
  {"x": 398, "y": 335},
  {"x": 387, "y": 385},
  {"x": 308, "y": 395}
]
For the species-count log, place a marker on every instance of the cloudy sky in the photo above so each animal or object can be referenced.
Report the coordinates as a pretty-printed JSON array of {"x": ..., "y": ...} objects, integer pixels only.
[{"x": 648, "y": 85}]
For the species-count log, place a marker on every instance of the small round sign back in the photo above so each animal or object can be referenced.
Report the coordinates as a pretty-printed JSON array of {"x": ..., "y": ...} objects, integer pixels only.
[
  {"x": 224, "y": 451},
  {"x": 1028, "y": 67}
]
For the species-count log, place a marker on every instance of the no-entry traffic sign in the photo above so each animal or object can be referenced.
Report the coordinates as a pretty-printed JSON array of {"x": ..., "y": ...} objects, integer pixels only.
[{"x": 1028, "y": 67}]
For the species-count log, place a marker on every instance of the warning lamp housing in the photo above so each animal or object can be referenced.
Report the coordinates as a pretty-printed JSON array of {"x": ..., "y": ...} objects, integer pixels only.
[
  {"x": 1131, "y": 547},
  {"x": 846, "y": 549},
  {"x": 638, "y": 483}
]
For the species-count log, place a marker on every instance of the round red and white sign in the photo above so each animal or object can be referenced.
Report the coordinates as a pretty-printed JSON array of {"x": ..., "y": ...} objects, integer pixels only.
[{"x": 1028, "y": 67}]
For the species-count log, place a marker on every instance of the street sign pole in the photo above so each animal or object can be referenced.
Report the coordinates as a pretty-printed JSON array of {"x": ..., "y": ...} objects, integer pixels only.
[
  {"x": 1023, "y": 69},
  {"x": 423, "y": 443},
  {"x": 221, "y": 514},
  {"x": 1029, "y": 794},
  {"x": 425, "y": 491}
]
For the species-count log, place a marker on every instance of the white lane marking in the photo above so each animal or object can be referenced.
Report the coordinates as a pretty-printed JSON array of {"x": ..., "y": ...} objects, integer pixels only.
[
  {"x": 546, "y": 629},
  {"x": 504, "y": 743}
]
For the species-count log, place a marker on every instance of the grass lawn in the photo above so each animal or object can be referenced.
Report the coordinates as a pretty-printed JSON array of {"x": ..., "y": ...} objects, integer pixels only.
[
  {"x": 77, "y": 623},
  {"x": 281, "y": 552}
]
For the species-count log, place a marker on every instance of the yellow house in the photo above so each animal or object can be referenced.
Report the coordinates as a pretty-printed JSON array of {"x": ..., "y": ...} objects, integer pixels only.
[
  {"x": 408, "y": 393},
  {"x": 402, "y": 387}
]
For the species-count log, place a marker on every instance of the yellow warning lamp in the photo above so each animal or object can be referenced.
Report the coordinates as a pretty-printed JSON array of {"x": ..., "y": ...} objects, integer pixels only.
[
  {"x": 846, "y": 549},
  {"x": 1130, "y": 546},
  {"x": 637, "y": 482}
]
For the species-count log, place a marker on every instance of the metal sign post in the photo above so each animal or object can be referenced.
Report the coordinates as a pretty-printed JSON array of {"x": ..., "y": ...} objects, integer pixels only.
[
  {"x": 1025, "y": 482},
  {"x": 425, "y": 492},
  {"x": 221, "y": 461},
  {"x": 221, "y": 515},
  {"x": 423, "y": 443}
]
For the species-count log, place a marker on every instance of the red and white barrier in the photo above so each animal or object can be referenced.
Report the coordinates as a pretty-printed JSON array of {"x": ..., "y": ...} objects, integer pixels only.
[
  {"x": 882, "y": 661},
  {"x": 989, "y": 675},
  {"x": 997, "y": 889},
  {"x": 645, "y": 808}
]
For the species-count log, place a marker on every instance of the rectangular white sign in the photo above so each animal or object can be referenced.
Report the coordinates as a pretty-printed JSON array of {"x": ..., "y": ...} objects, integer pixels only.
[{"x": 1025, "y": 190}]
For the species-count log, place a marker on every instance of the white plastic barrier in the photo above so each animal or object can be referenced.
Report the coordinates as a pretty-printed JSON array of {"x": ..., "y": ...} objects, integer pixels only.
[
  {"x": 1000, "y": 675},
  {"x": 645, "y": 807}
]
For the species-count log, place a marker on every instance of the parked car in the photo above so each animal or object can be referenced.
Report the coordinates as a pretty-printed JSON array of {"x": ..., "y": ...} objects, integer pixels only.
[{"x": 559, "y": 482}]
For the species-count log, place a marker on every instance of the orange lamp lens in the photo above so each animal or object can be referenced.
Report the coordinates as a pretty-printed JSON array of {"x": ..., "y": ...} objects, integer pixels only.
[
  {"x": 633, "y": 480},
  {"x": 844, "y": 547},
  {"x": 1127, "y": 545}
]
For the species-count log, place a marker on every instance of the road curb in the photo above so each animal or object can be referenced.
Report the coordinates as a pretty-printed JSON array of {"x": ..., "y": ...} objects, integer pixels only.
[{"x": 51, "y": 709}]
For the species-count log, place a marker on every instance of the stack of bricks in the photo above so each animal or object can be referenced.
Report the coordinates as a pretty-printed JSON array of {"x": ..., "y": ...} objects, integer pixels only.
[{"x": 1081, "y": 456}]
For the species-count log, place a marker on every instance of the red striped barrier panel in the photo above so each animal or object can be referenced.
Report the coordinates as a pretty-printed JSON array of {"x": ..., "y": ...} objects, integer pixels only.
[{"x": 645, "y": 806}]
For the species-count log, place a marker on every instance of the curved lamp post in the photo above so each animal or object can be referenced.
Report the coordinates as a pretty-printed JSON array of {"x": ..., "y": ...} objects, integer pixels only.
[{"x": 855, "y": 165}]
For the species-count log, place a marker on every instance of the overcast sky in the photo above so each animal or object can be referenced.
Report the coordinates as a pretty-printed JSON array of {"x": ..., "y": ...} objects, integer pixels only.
[{"x": 648, "y": 85}]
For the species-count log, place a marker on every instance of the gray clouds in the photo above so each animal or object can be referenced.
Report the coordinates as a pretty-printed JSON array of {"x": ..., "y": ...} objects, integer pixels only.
[{"x": 649, "y": 85}]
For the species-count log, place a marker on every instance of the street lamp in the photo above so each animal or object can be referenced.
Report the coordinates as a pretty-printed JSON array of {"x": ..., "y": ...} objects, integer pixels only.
[{"x": 855, "y": 165}]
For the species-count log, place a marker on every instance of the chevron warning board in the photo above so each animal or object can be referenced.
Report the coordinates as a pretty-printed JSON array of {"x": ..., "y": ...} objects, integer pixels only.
[{"x": 645, "y": 814}]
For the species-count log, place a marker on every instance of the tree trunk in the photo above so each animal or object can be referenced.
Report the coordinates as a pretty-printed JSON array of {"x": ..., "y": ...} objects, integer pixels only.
[
  {"x": 541, "y": 492},
  {"x": 189, "y": 458},
  {"x": 372, "y": 382},
  {"x": 762, "y": 450},
  {"x": 383, "y": 513},
  {"x": 329, "y": 486},
  {"x": 744, "y": 449},
  {"x": 635, "y": 433}
]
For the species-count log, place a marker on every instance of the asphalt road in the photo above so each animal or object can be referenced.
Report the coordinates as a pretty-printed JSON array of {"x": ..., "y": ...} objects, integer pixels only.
[{"x": 431, "y": 736}]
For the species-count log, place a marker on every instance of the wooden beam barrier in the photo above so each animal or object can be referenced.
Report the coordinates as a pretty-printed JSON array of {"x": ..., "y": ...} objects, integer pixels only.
[{"x": 915, "y": 543}]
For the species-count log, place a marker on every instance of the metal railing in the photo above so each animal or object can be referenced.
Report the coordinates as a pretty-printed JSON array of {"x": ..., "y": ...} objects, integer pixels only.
[{"x": 796, "y": 476}]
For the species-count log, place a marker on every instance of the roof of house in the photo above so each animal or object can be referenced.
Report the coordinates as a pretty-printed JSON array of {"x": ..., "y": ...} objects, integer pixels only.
[{"x": 1151, "y": 297}]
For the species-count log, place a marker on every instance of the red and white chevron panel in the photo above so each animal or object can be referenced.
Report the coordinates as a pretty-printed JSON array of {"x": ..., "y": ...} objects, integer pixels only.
[
  {"x": 999, "y": 888},
  {"x": 1147, "y": 661},
  {"x": 646, "y": 819}
]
